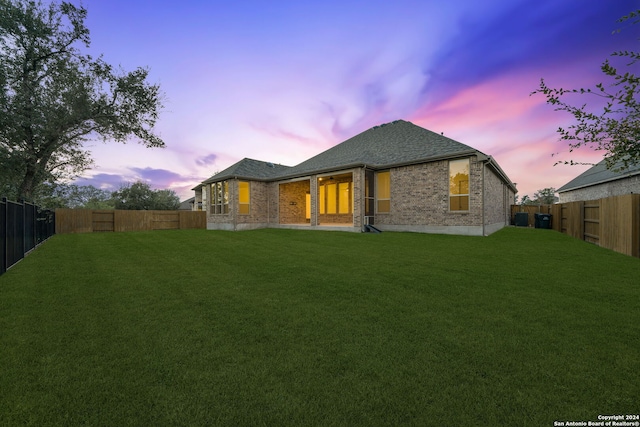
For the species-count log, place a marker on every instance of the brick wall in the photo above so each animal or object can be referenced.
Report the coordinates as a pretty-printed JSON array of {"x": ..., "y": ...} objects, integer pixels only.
[
  {"x": 314, "y": 199},
  {"x": 358, "y": 197},
  {"x": 272, "y": 195},
  {"x": 497, "y": 203},
  {"x": 292, "y": 201},
  {"x": 258, "y": 203},
  {"x": 420, "y": 196}
]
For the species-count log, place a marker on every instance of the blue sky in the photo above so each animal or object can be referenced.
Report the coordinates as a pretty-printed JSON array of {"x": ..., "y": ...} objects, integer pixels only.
[{"x": 282, "y": 81}]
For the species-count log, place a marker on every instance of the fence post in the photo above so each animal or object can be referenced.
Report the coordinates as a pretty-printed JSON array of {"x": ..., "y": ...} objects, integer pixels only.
[{"x": 34, "y": 230}]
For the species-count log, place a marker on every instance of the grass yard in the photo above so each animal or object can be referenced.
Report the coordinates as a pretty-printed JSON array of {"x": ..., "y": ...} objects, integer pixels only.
[{"x": 310, "y": 328}]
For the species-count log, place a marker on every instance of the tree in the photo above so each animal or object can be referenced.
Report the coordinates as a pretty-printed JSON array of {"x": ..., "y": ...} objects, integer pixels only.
[
  {"x": 166, "y": 200},
  {"x": 615, "y": 129},
  {"x": 139, "y": 196},
  {"x": 459, "y": 184},
  {"x": 54, "y": 97},
  {"x": 52, "y": 196},
  {"x": 73, "y": 196},
  {"x": 526, "y": 200},
  {"x": 546, "y": 196}
]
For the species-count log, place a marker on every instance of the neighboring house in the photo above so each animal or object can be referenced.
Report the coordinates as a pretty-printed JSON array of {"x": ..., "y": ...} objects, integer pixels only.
[
  {"x": 599, "y": 182},
  {"x": 187, "y": 205},
  {"x": 396, "y": 177}
]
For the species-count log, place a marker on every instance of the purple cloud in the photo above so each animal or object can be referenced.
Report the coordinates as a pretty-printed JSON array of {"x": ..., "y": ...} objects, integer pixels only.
[
  {"x": 158, "y": 178},
  {"x": 207, "y": 160},
  {"x": 104, "y": 181}
]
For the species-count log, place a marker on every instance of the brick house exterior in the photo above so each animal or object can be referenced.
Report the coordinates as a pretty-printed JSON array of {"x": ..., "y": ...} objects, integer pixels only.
[
  {"x": 598, "y": 182},
  {"x": 395, "y": 177}
]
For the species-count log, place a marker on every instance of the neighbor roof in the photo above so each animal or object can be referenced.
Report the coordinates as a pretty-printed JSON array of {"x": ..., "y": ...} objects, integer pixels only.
[
  {"x": 186, "y": 205},
  {"x": 599, "y": 174},
  {"x": 388, "y": 145}
]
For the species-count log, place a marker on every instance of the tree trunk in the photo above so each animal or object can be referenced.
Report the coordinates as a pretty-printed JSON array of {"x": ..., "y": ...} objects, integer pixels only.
[{"x": 25, "y": 191}]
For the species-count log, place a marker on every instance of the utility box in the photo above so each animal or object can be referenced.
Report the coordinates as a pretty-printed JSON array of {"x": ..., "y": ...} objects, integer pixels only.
[
  {"x": 522, "y": 219},
  {"x": 542, "y": 220}
]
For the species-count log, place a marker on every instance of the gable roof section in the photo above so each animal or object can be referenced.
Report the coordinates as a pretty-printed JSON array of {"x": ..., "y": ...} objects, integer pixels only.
[
  {"x": 387, "y": 145},
  {"x": 249, "y": 169},
  {"x": 599, "y": 174}
]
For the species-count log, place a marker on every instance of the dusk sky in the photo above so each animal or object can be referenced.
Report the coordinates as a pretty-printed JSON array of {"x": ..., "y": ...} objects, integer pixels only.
[{"x": 282, "y": 81}]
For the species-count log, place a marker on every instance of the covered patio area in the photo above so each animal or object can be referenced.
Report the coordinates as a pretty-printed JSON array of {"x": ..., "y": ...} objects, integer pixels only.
[
  {"x": 335, "y": 200},
  {"x": 330, "y": 207}
]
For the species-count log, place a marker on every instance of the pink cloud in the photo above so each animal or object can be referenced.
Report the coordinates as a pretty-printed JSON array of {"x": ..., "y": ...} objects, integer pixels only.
[{"x": 500, "y": 118}]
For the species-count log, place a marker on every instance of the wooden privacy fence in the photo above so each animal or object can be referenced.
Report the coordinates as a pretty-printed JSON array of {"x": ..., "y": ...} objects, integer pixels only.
[
  {"x": 612, "y": 223},
  {"x": 90, "y": 221}
]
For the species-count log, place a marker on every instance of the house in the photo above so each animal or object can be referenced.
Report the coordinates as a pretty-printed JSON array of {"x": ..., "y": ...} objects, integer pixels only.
[
  {"x": 599, "y": 182},
  {"x": 187, "y": 205},
  {"x": 395, "y": 177}
]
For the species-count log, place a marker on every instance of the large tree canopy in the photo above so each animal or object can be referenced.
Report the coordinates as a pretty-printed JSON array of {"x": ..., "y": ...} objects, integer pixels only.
[
  {"x": 75, "y": 197},
  {"x": 613, "y": 124},
  {"x": 54, "y": 97}
]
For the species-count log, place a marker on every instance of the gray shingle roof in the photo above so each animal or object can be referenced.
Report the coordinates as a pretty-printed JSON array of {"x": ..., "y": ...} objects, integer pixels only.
[
  {"x": 391, "y": 144},
  {"x": 598, "y": 174},
  {"x": 249, "y": 169},
  {"x": 387, "y": 145}
]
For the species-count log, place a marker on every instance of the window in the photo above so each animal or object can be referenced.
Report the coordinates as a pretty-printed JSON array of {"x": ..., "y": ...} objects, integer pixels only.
[
  {"x": 321, "y": 199},
  {"x": 459, "y": 185},
  {"x": 220, "y": 197},
  {"x": 244, "y": 197},
  {"x": 383, "y": 192},
  {"x": 343, "y": 198},
  {"x": 331, "y": 198},
  {"x": 335, "y": 197}
]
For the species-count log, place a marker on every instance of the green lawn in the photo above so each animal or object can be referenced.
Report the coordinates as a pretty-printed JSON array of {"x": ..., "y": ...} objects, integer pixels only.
[{"x": 310, "y": 328}]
